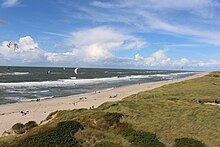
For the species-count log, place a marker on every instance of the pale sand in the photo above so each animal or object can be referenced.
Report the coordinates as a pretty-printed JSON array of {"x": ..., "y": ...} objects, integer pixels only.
[{"x": 10, "y": 114}]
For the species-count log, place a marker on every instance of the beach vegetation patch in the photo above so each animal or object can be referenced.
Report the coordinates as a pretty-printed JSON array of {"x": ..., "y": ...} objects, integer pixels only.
[
  {"x": 112, "y": 118},
  {"x": 138, "y": 138},
  {"x": 188, "y": 142},
  {"x": 18, "y": 128},
  {"x": 61, "y": 135},
  {"x": 29, "y": 125}
]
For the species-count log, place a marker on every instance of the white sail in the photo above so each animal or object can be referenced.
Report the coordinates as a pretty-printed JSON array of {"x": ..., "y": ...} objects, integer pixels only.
[{"x": 76, "y": 70}]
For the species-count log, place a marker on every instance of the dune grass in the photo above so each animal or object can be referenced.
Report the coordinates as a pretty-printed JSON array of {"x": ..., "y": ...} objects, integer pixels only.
[{"x": 169, "y": 114}]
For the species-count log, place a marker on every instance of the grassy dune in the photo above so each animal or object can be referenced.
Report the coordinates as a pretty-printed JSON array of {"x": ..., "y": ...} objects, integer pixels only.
[{"x": 157, "y": 117}]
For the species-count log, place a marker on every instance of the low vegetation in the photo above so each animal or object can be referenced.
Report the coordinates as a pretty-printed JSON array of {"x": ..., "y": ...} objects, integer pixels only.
[
  {"x": 112, "y": 118},
  {"x": 61, "y": 135},
  {"x": 138, "y": 138},
  {"x": 188, "y": 142},
  {"x": 20, "y": 128},
  {"x": 167, "y": 116}
]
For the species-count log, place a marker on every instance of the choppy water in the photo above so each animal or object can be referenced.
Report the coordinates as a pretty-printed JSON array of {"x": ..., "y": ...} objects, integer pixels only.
[{"x": 18, "y": 84}]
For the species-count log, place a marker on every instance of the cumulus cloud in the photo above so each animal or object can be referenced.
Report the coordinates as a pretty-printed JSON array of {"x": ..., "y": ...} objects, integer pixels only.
[
  {"x": 10, "y": 3},
  {"x": 100, "y": 42},
  {"x": 211, "y": 63},
  {"x": 28, "y": 52},
  {"x": 89, "y": 46},
  {"x": 93, "y": 52},
  {"x": 160, "y": 59},
  {"x": 138, "y": 57}
]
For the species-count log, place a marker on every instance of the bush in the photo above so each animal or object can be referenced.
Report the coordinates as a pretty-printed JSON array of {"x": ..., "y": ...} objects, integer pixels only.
[
  {"x": 216, "y": 76},
  {"x": 145, "y": 139},
  {"x": 29, "y": 125},
  {"x": 188, "y": 142},
  {"x": 112, "y": 118},
  {"x": 18, "y": 128},
  {"x": 138, "y": 138},
  {"x": 61, "y": 135},
  {"x": 124, "y": 129},
  {"x": 106, "y": 144}
]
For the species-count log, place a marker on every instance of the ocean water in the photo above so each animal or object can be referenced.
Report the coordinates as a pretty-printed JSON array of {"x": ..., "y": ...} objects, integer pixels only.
[{"x": 20, "y": 84}]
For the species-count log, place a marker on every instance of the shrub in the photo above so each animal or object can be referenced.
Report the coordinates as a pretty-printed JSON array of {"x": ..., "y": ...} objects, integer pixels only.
[
  {"x": 61, "y": 135},
  {"x": 29, "y": 125},
  {"x": 138, "y": 138},
  {"x": 112, "y": 118},
  {"x": 106, "y": 144},
  {"x": 188, "y": 142},
  {"x": 216, "y": 76},
  {"x": 18, "y": 128},
  {"x": 125, "y": 129},
  {"x": 145, "y": 139}
]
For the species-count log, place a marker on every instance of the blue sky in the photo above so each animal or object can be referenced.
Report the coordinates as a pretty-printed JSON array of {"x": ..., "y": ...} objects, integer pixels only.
[{"x": 150, "y": 34}]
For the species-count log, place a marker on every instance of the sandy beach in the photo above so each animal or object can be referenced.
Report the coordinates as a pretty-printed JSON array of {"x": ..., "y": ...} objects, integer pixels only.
[{"x": 10, "y": 114}]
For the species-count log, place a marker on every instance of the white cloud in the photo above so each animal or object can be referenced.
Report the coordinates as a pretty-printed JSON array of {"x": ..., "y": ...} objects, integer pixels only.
[
  {"x": 28, "y": 52},
  {"x": 99, "y": 43},
  {"x": 181, "y": 62},
  {"x": 151, "y": 15},
  {"x": 10, "y": 3},
  {"x": 89, "y": 46},
  {"x": 199, "y": 7},
  {"x": 95, "y": 52},
  {"x": 160, "y": 59},
  {"x": 138, "y": 57},
  {"x": 208, "y": 64},
  {"x": 155, "y": 23},
  {"x": 56, "y": 34}
]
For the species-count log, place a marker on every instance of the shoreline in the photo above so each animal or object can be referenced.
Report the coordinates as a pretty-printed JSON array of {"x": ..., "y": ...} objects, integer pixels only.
[{"x": 10, "y": 114}]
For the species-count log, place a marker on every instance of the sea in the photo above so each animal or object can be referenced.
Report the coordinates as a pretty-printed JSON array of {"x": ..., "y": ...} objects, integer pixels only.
[{"x": 22, "y": 84}]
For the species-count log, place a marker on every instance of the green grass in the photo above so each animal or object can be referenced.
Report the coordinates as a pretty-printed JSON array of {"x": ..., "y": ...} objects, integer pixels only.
[{"x": 167, "y": 115}]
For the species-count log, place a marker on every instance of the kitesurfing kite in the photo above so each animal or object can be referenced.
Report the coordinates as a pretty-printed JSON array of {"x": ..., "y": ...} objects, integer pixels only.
[
  {"x": 76, "y": 70},
  {"x": 15, "y": 45}
]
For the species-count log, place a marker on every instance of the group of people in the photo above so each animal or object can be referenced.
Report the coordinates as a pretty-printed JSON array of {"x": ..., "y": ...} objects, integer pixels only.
[
  {"x": 92, "y": 107},
  {"x": 24, "y": 113}
]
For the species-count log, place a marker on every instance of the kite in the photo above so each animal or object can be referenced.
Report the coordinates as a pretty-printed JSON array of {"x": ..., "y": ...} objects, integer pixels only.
[
  {"x": 76, "y": 71},
  {"x": 15, "y": 45}
]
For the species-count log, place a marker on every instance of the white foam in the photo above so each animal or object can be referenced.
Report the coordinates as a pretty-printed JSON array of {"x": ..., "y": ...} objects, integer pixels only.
[
  {"x": 72, "y": 82},
  {"x": 172, "y": 74},
  {"x": 14, "y": 73},
  {"x": 35, "y": 99}
]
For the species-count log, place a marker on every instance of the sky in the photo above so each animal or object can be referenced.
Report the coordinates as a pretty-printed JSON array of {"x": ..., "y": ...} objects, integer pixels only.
[{"x": 145, "y": 34}]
